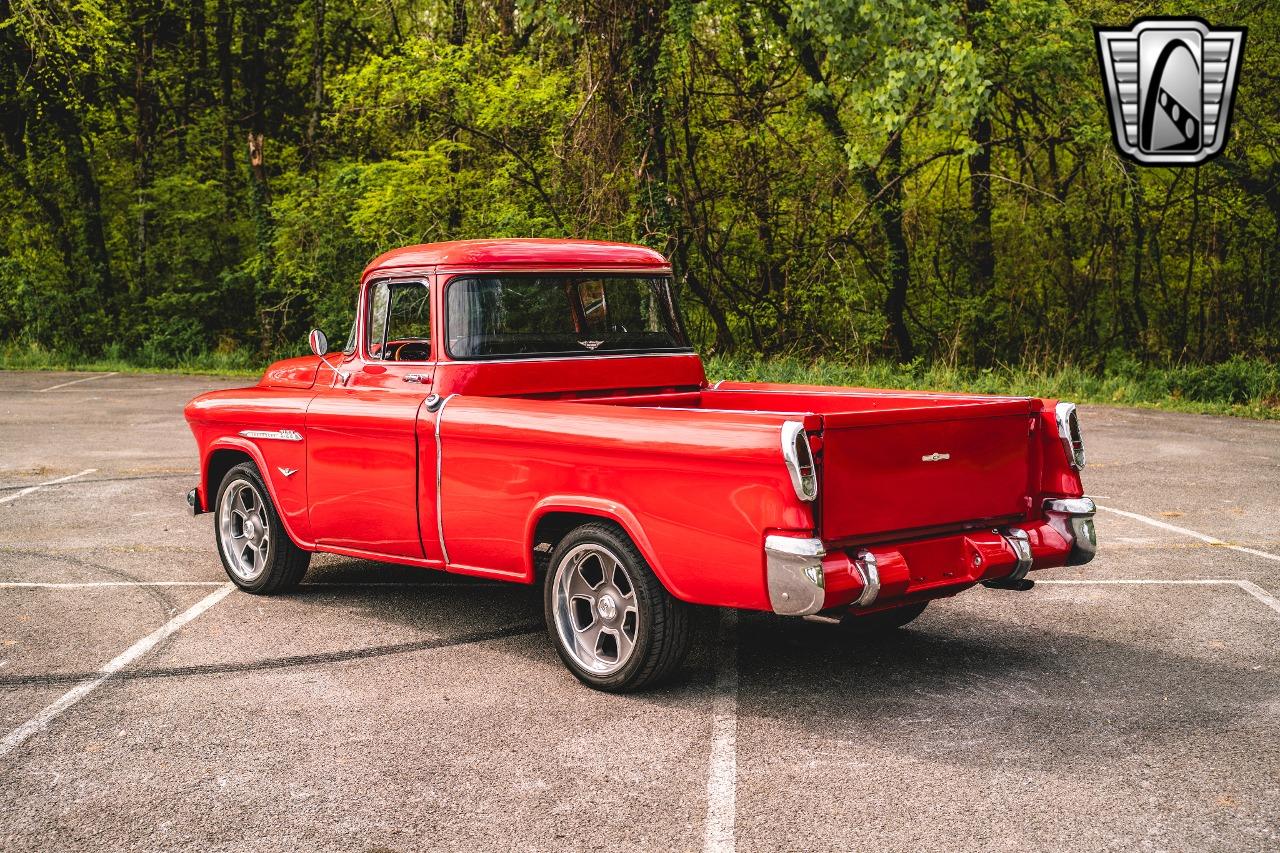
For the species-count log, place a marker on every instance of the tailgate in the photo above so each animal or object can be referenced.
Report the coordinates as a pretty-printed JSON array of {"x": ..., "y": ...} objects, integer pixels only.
[{"x": 924, "y": 468}]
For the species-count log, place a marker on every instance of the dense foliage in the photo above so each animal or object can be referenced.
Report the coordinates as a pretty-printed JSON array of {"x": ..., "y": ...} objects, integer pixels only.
[{"x": 900, "y": 178}]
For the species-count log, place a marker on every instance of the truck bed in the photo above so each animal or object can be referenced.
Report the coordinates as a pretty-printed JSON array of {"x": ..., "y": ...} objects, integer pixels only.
[{"x": 895, "y": 463}]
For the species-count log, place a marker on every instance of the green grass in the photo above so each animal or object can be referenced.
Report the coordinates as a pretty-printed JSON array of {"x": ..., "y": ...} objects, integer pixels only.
[
  {"x": 218, "y": 363},
  {"x": 1241, "y": 387}
]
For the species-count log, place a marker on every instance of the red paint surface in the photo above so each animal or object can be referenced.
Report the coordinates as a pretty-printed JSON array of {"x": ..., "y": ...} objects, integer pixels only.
[{"x": 693, "y": 473}]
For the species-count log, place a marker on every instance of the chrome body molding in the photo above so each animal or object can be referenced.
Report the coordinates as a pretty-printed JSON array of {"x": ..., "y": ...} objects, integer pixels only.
[
  {"x": 273, "y": 434},
  {"x": 868, "y": 570},
  {"x": 799, "y": 459},
  {"x": 1072, "y": 518},
  {"x": 444, "y": 551},
  {"x": 793, "y": 569}
]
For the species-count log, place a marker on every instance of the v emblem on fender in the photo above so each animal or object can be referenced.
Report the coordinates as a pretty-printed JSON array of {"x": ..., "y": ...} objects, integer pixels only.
[{"x": 288, "y": 472}]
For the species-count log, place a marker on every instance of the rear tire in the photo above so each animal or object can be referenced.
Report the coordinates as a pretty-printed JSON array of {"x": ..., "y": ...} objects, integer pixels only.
[
  {"x": 612, "y": 622},
  {"x": 256, "y": 551},
  {"x": 882, "y": 621}
]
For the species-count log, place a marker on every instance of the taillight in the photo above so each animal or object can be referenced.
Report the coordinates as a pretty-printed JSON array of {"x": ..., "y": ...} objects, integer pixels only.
[
  {"x": 1069, "y": 432},
  {"x": 799, "y": 458}
]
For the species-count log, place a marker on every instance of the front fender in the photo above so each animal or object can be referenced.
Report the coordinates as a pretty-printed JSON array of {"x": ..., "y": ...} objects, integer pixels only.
[{"x": 289, "y": 494}]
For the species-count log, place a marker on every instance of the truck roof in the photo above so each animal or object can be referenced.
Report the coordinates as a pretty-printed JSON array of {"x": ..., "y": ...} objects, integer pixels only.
[{"x": 512, "y": 254}]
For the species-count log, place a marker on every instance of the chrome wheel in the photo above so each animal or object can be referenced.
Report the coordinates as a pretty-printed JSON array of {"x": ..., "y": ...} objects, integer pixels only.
[
  {"x": 245, "y": 532},
  {"x": 594, "y": 603}
]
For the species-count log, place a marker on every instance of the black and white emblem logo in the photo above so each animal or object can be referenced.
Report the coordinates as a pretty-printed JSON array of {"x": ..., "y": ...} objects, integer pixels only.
[{"x": 1169, "y": 84}]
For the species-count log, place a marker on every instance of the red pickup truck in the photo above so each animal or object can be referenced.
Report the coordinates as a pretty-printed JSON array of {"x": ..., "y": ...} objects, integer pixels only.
[{"x": 531, "y": 410}]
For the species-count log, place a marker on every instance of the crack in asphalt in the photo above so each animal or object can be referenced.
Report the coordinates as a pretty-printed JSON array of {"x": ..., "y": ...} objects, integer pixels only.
[
  {"x": 170, "y": 605},
  {"x": 281, "y": 662}
]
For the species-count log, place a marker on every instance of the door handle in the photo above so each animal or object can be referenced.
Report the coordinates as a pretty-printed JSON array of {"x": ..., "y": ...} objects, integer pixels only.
[{"x": 417, "y": 377}]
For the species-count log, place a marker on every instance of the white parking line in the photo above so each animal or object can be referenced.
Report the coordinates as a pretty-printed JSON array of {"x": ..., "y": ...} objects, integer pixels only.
[
  {"x": 1248, "y": 586},
  {"x": 119, "y": 662},
  {"x": 1260, "y": 594},
  {"x": 93, "y": 584},
  {"x": 336, "y": 584},
  {"x": 1212, "y": 540},
  {"x": 77, "y": 381},
  {"x": 723, "y": 764},
  {"x": 29, "y": 489}
]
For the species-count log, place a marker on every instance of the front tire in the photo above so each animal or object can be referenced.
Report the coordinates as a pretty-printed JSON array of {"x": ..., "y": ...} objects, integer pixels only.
[
  {"x": 612, "y": 622},
  {"x": 256, "y": 551}
]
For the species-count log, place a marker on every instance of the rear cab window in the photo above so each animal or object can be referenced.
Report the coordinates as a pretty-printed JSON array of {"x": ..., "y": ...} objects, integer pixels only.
[{"x": 561, "y": 315}]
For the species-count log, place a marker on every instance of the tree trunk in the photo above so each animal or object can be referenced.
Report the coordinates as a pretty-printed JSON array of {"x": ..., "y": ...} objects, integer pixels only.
[
  {"x": 144, "y": 109},
  {"x": 1136, "y": 202},
  {"x": 317, "y": 82},
  {"x": 896, "y": 250},
  {"x": 655, "y": 225},
  {"x": 260, "y": 199},
  {"x": 89, "y": 197},
  {"x": 884, "y": 197},
  {"x": 457, "y": 37},
  {"x": 506, "y": 14},
  {"x": 982, "y": 259},
  {"x": 223, "y": 28}
]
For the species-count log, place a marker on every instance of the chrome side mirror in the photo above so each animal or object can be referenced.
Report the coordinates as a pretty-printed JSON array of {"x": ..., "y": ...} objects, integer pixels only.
[{"x": 319, "y": 343}]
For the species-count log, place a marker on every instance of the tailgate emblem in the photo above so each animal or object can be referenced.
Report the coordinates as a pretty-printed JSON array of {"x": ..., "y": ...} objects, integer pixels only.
[{"x": 935, "y": 457}]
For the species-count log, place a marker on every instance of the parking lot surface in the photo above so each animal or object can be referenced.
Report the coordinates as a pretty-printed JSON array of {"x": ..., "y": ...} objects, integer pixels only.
[{"x": 1128, "y": 704}]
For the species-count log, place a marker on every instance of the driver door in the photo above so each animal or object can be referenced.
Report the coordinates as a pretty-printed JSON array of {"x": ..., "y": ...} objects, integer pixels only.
[{"x": 362, "y": 453}]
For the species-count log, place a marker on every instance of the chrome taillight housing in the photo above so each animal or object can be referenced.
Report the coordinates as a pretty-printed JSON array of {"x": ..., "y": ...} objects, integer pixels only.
[
  {"x": 799, "y": 458},
  {"x": 1069, "y": 432}
]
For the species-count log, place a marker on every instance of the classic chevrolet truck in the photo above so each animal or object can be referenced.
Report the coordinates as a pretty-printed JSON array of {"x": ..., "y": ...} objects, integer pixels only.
[{"x": 531, "y": 411}]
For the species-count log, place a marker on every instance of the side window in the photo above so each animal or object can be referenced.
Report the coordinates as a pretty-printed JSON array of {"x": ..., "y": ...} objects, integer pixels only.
[{"x": 400, "y": 321}]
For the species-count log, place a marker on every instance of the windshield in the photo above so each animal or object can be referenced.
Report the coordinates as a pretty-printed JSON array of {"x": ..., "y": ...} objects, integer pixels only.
[{"x": 561, "y": 315}]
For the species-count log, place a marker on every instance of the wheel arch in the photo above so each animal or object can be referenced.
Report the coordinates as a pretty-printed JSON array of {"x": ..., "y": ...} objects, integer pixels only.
[
  {"x": 228, "y": 452},
  {"x": 552, "y": 519}
]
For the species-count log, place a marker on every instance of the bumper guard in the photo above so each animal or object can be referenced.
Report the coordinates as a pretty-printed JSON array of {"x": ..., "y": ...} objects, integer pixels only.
[{"x": 1072, "y": 518}]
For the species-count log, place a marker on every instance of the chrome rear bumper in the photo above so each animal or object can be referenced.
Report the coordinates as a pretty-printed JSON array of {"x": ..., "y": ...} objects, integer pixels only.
[{"x": 803, "y": 578}]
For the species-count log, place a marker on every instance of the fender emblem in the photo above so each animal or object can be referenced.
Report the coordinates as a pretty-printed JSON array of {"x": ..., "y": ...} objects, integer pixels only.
[
  {"x": 277, "y": 434},
  {"x": 288, "y": 472},
  {"x": 935, "y": 457}
]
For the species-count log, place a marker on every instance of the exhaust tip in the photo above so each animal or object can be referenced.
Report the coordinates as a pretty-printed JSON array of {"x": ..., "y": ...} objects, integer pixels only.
[{"x": 1018, "y": 585}]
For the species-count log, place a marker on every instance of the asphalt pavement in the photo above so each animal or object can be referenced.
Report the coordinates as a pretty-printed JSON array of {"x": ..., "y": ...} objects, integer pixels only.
[{"x": 1131, "y": 704}]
